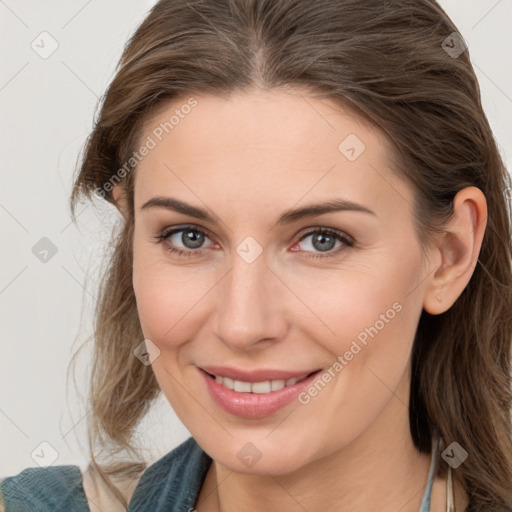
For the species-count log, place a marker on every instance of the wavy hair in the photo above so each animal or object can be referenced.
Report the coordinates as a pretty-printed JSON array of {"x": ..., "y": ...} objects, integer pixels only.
[{"x": 389, "y": 61}]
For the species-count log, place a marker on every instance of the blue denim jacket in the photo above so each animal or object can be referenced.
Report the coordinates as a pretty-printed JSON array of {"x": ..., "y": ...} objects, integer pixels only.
[{"x": 170, "y": 484}]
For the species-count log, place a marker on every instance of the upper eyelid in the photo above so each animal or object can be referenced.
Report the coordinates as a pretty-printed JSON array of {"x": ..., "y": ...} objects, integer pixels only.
[{"x": 168, "y": 231}]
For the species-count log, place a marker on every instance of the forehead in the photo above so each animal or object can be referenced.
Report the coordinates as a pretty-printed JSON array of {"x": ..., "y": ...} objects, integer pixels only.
[
  {"x": 280, "y": 144},
  {"x": 287, "y": 118}
]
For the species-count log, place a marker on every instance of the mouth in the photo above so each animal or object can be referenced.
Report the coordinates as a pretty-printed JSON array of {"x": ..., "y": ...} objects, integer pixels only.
[
  {"x": 262, "y": 387},
  {"x": 256, "y": 399}
]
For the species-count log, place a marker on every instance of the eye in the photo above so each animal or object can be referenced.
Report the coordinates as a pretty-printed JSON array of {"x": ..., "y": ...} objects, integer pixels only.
[
  {"x": 190, "y": 237},
  {"x": 324, "y": 240}
]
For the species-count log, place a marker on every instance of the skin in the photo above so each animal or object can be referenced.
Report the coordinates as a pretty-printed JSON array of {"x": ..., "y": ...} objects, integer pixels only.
[{"x": 247, "y": 159}]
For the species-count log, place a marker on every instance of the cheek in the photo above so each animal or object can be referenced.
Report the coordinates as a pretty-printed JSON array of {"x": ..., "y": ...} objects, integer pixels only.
[
  {"x": 368, "y": 325},
  {"x": 167, "y": 297},
  {"x": 367, "y": 314}
]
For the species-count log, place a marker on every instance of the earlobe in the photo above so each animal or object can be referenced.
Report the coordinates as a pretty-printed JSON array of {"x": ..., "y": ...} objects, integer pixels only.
[{"x": 457, "y": 251}]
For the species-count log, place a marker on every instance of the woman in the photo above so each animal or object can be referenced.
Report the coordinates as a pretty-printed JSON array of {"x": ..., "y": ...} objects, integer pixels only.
[{"x": 313, "y": 266}]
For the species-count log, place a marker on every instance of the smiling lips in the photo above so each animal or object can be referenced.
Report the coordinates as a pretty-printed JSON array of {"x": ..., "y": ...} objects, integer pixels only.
[
  {"x": 255, "y": 381},
  {"x": 254, "y": 394}
]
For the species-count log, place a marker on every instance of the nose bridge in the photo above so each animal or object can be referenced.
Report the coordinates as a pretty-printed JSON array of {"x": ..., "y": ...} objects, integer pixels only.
[{"x": 249, "y": 307}]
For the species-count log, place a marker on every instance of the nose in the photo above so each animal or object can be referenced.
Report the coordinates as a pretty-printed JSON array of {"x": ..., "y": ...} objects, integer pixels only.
[{"x": 250, "y": 304}]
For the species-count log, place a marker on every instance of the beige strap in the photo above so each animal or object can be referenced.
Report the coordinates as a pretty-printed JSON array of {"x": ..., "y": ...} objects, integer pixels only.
[
  {"x": 99, "y": 497},
  {"x": 450, "y": 499}
]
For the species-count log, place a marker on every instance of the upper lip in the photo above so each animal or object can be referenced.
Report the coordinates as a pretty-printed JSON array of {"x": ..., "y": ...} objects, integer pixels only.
[{"x": 257, "y": 375}]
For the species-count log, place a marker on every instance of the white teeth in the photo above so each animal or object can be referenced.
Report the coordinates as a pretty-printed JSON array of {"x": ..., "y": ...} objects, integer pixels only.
[
  {"x": 261, "y": 387},
  {"x": 256, "y": 387},
  {"x": 244, "y": 387},
  {"x": 277, "y": 385}
]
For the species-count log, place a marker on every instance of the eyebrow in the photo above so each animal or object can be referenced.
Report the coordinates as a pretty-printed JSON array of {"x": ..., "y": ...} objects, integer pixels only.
[{"x": 288, "y": 217}]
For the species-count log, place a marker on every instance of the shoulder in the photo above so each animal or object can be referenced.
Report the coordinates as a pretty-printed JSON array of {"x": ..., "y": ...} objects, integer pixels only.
[
  {"x": 52, "y": 488},
  {"x": 172, "y": 481}
]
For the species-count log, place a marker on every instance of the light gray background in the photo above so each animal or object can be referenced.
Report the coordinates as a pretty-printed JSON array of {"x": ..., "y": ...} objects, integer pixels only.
[{"x": 46, "y": 112}]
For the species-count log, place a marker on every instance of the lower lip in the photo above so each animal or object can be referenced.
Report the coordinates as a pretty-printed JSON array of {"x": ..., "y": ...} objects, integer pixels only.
[{"x": 254, "y": 405}]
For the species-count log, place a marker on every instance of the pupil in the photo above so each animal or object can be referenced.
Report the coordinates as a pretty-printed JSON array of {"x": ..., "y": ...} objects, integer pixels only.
[
  {"x": 192, "y": 239},
  {"x": 321, "y": 238}
]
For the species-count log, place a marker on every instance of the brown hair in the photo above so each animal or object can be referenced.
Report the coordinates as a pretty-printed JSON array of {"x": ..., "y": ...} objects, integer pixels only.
[{"x": 386, "y": 59}]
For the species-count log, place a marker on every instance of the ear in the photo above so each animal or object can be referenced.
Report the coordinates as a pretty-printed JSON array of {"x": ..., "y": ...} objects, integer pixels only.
[
  {"x": 456, "y": 252},
  {"x": 119, "y": 198}
]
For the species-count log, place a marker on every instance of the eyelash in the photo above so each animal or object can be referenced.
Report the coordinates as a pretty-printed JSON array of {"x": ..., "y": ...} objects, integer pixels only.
[{"x": 164, "y": 235}]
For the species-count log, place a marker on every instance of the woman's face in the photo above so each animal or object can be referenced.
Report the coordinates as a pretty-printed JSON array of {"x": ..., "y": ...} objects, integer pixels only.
[{"x": 260, "y": 289}]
